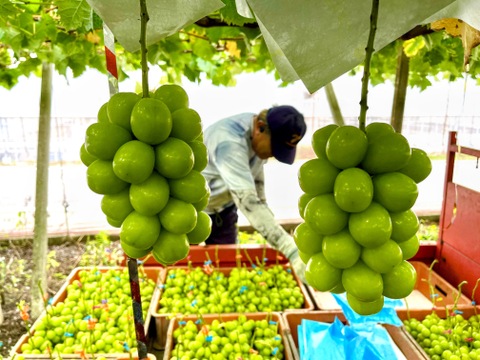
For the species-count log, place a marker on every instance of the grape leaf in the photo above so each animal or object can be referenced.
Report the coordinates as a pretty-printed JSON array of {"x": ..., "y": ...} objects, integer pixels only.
[
  {"x": 7, "y": 10},
  {"x": 230, "y": 15},
  {"x": 411, "y": 47},
  {"x": 458, "y": 28},
  {"x": 75, "y": 14}
]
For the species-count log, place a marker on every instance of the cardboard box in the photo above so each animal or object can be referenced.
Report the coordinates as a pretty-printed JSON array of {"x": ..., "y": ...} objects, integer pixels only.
[
  {"x": 162, "y": 320},
  {"x": 207, "y": 319},
  {"x": 405, "y": 344},
  {"x": 153, "y": 273},
  {"x": 419, "y": 301}
]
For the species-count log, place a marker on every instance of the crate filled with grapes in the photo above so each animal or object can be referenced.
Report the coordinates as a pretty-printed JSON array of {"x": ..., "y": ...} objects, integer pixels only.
[
  {"x": 446, "y": 334},
  {"x": 431, "y": 292},
  {"x": 229, "y": 336},
  {"x": 90, "y": 315},
  {"x": 385, "y": 341},
  {"x": 200, "y": 290}
]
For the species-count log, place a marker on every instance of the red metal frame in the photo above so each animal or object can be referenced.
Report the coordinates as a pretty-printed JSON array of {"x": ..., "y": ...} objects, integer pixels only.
[{"x": 458, "y": 248}]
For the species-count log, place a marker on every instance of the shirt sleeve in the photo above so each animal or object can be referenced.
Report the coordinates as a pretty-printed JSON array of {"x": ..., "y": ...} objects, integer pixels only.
[
  {"x": 232, "y": 162},
  {"x": 260, "y": 186},
  {"x": 262, "y": 219}
]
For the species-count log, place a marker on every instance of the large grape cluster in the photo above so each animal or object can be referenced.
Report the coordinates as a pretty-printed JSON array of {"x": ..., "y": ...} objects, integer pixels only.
[
  {"x": 360, "y": 230},
  {"x": 145, "y": 155}
]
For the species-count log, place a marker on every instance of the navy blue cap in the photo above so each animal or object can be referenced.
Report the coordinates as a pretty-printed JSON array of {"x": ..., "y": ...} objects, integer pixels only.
[{"x": 287, "y": 127}]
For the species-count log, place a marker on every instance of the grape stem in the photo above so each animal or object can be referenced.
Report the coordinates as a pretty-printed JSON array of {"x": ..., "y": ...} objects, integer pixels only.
[
  {"x": 473, "y": 296},
  {"x": 143, "y": 45},
  {"x": 366, "y": 69}
]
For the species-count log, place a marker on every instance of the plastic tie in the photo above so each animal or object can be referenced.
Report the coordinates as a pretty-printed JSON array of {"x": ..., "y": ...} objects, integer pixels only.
[
  {"x": 88, "y": 317},
  {"x": 209, "y": 338},
  {"x": 50, "y": 301},
  {"x": 171, "y": 276},
  {"x": 182, "y": 322},
  {"x": 194, "y": 302},
  {"x": 126, "y": 347},
  {"x": 67, "y": 334},
  {"x": 208, "y": 262},
  {"x": 289, "y": 270},
  {"x": 198, "y": 321},
  {"x": 275, "y": 351},
  {"x": 474, "y": 302},
  {"x": 456, "y": 311},
  {"x": 434, "y": 295},
  {"x": 265, "y": 259},
  {"x": 243, "y": 289},
  {"x": 118, "y": 278},
  {"x": 272, "y": 322},
  {"x": 254, "y": 266}
]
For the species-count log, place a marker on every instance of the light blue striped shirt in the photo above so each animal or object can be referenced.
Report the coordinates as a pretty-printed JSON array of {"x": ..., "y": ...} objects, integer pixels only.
[{"x": 232, "y": 163}]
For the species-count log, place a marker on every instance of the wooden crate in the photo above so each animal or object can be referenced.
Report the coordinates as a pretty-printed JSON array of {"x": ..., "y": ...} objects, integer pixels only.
[
  {"x": 153, "y": 273},
  {"x": 162, "y": 320},
  {"x": 225, "y": 255},
  {"x": 402, "y": 339},
  {"x": 207, "y": 319},
  {"x": 418, "y": 301}
]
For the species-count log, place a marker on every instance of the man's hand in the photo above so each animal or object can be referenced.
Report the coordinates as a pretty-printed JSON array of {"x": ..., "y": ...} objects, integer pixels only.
[{"x": 287, "y": 246}]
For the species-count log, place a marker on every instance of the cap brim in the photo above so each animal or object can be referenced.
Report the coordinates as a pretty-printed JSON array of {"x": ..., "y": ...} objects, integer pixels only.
[{"x": 284, "y": 154}]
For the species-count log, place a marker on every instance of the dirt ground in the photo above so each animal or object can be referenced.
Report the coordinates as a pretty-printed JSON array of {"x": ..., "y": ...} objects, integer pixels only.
[{"x": 15, "y": 287}]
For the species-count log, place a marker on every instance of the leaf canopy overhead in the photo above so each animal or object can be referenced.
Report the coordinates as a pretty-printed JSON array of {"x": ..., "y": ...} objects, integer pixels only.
[{"x": 220, "y": 46}]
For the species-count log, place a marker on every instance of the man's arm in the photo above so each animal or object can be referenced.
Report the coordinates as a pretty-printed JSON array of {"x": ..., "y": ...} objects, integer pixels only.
[
  {"x": 260, "y": 186},
  {"x": 262, "y": 219}
]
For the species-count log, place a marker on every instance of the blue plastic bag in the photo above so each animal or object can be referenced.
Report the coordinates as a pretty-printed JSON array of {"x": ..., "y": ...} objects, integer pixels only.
[
  {"x": 362, "y": 339},
  {"x": 388, "y": 314},
  {"x": 336, "y": 341}
]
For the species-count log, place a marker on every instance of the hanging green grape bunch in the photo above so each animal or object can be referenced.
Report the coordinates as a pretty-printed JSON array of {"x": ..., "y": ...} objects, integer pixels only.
[
  {"x": 145, "y": 155},
  {"x": 359, "y": 229}
]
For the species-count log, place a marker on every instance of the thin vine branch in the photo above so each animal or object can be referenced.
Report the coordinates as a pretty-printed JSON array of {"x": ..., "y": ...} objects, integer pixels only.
[
  {"x": 143, "y": 45},
  {"x": 366, "y": 69}
]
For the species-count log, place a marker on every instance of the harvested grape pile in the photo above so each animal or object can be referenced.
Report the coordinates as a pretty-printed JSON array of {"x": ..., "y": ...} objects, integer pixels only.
[{"x": 259, "y": 289}]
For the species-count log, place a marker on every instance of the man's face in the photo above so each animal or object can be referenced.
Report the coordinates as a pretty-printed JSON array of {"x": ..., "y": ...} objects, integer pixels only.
[{"x": 261, "y": 141}]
